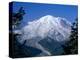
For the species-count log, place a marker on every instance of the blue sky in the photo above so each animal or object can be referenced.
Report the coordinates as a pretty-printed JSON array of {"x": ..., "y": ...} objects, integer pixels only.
[{"x": 35, "y": 11}]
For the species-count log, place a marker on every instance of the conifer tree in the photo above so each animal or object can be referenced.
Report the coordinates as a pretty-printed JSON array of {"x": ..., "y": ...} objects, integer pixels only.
[
  {"x": 17, "y": 18},
  {"x": 71, "y": 46}
]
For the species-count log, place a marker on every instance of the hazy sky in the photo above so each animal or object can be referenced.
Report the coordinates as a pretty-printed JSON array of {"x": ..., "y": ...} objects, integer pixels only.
[{"x": 35, "y": 11}]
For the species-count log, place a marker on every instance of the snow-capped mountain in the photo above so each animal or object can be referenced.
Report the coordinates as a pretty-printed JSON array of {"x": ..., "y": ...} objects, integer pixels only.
[
  {"x": 47, "y": 26},
  {"x": 56, "y": 28}
]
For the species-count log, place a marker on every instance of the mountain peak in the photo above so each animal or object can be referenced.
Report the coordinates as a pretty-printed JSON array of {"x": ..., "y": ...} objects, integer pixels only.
[{"x": 46, "y": 17}]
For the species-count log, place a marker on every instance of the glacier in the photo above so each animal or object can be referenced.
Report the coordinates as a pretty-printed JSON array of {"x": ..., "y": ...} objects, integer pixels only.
[{"x": 46, "y": 33}]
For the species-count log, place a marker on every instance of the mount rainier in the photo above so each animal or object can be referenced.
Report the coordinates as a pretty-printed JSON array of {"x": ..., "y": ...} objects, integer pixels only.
[{"x": 46, "y": 33}]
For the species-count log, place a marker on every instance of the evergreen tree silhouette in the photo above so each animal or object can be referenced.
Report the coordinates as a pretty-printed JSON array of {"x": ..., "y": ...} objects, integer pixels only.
[{"x": 71, "y": 46}]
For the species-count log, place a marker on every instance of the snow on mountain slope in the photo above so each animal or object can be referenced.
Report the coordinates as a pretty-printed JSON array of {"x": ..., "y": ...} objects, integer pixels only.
[
  {"x": 56, "y": 28},
  {"x": 47, "y": 26}
]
